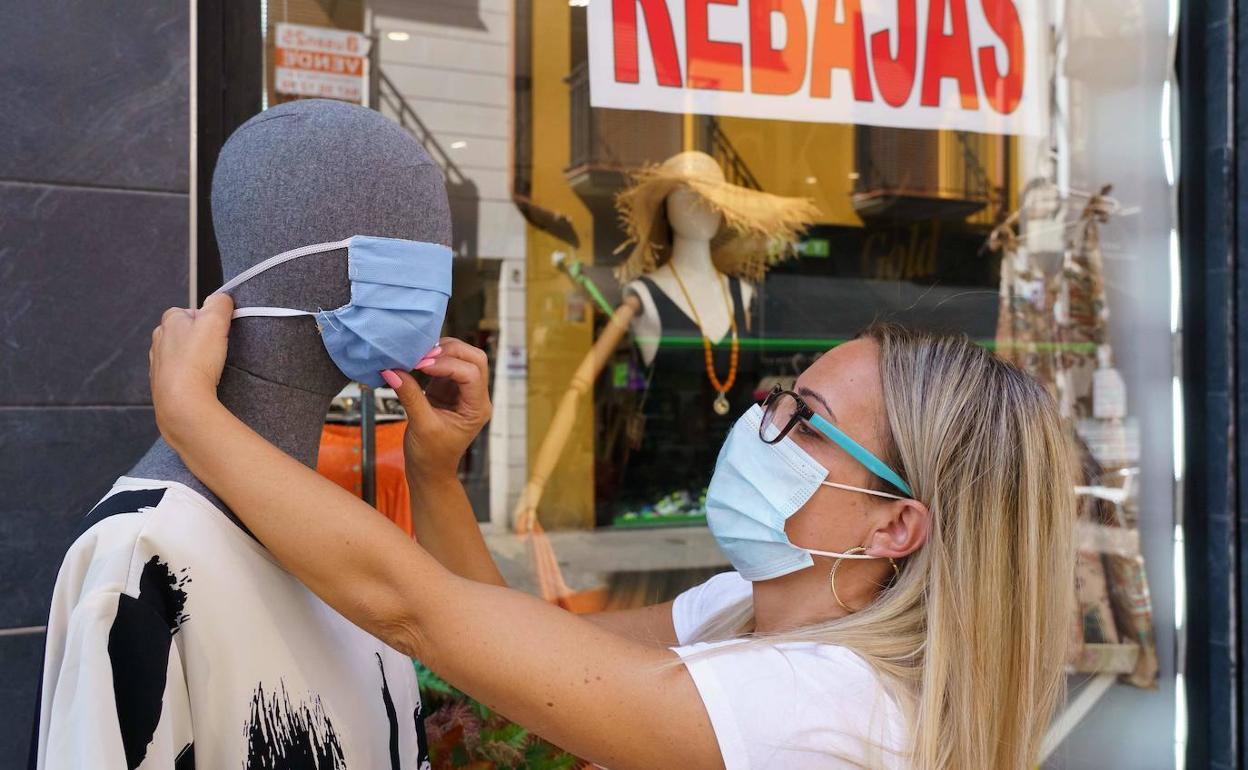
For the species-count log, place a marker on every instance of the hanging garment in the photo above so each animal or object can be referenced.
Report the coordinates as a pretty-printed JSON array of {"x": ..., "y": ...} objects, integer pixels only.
[
  {"x": 1081, "y": 319},
  {"x": 340, "y": 462},
  {"x": 1026, "y": 334},
  {"x": 1055, "y": 328},
  {"x": 682, "y": 434},
  {"x": 175, "y": 640},
  {"x": 1112, "y": 443}
]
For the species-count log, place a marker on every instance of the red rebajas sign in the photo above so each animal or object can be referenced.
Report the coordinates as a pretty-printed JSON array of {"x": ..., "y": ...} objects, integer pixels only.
[{"x": 973, "y": 65}]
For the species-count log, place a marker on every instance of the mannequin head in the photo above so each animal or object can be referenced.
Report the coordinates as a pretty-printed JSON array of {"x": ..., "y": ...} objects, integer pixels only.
[
  {"x": 306, "y": 172},
  {"x": 749, "y": 229},
  {"x": 690, "y": 216}
]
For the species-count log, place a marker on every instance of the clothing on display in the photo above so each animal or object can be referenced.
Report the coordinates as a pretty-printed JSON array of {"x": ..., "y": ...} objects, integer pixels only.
[
  {"x": 680, "y": 431},
  {"x": 175, "y": 640},
  {"x": 339, "y": 461},
  {"x": 731, "y": 234},
  {"x": 725, "y": 235},
  {"x": 1054, "y": 325},
  {"x": 721, "y": 405}
]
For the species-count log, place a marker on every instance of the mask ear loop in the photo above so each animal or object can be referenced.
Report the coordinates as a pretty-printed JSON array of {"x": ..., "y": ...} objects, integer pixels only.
[
  {"x": 327, "y": 316},
  {"x": 852, "y": 553},
  {"x": 285, "y": 256},
  {"x": 875, "y": 492}
]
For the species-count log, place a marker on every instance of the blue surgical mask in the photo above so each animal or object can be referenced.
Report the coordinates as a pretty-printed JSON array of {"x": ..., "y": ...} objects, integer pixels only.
[
  {"x": 755, "y": 489},
  {"x": 399, "y": 291}
]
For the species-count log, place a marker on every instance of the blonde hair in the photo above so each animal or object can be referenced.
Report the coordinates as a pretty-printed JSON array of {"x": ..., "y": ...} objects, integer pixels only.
[{"x": 971, "y": 637}]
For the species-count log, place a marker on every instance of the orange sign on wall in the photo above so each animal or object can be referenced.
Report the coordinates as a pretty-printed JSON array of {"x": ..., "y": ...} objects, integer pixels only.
[{"x": 318, "y": 61}]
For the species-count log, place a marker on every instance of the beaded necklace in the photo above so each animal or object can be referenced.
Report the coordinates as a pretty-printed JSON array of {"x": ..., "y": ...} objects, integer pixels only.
[{"x": 720, "y": 405}]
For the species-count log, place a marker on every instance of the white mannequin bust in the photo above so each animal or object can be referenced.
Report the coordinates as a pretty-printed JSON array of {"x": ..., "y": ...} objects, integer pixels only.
[{"x": 694, "y": 224}]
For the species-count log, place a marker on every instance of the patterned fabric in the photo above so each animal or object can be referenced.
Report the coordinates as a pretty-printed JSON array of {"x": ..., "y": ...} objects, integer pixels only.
[
  {"x": 177, "y": 641},
  {"x": 1052, "y": 325}
]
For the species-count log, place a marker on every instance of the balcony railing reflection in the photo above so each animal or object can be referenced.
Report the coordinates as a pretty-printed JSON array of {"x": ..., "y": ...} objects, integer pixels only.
[
  {"x": 606, "y": 144},
  {"x": 910, "y": 174}
]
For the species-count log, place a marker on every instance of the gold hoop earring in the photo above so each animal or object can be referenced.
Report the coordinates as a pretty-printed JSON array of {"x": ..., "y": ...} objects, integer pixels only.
[{"x": 837, "y": 563}]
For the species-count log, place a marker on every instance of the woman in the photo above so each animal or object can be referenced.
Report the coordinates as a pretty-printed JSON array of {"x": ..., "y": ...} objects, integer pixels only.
[{"x": 901, "y": 597}]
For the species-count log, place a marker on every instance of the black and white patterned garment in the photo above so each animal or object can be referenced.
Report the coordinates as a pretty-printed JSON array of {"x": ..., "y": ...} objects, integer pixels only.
[{"x": 177, "y": 641}]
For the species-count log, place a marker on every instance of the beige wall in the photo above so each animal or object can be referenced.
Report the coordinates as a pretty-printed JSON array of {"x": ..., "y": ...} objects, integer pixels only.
[{"x": 556, "y": 346}]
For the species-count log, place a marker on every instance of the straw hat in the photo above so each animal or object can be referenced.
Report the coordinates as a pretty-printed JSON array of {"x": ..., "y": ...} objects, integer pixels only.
[{"x": 758, "y": 229}]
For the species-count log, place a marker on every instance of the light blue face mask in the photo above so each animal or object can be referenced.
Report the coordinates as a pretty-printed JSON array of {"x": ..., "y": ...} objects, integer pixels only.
[
  {"x": 755, "y": 489},
  {"x": 399, "y": 291}
]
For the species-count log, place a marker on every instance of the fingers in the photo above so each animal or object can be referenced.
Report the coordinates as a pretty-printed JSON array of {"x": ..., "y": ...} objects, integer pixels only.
[
  {"x": 216, "y": 313},
  {"x": 410, "y": 394},
  {"x": 187, "y": 356},
  {"x": 464, "y": 374},
  {"x": 472, "y": 354},
  {"x": 173, "y": 318},
  {"x": 218, "y": 310}
]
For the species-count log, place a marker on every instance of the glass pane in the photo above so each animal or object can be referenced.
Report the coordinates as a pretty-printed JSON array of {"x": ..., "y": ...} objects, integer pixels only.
[{"x": 1001, "y": 236}]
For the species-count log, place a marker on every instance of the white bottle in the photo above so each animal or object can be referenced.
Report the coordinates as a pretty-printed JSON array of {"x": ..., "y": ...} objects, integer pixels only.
[{"x": 1109, "y": 392}]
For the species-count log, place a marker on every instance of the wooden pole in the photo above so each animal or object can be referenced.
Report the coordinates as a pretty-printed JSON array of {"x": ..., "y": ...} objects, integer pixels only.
[{"x": 524, "y": 517}]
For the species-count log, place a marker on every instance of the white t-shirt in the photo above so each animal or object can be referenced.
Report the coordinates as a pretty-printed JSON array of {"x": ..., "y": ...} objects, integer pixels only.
[
  {"x": 786, "y": 707},
  {"x": 177, "y": 641}
]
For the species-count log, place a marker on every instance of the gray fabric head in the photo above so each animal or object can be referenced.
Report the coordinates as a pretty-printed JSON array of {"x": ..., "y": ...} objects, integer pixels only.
[{"x": 305, "y": 172}]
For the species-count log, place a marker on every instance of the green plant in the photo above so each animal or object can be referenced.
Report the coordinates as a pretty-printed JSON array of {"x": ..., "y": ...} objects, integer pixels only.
[{"x": 467, "y": 735}]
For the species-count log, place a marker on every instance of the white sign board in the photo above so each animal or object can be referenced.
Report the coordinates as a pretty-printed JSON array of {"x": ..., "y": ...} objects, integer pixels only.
[
  {"x": 318, "y": 61},
  {"x": 970, "y": 65}
]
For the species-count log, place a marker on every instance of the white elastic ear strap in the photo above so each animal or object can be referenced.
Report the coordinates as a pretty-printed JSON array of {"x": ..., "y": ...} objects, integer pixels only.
[
  {"x": 269, "y": 312},
  {"x": 285, "y": 256},
  {"x": 836, "y": 555},
  {"x": 864, "y": 491}
]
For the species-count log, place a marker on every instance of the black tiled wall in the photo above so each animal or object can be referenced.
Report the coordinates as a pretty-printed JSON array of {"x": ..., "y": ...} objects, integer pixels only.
[{"x": 94, "y": 159}]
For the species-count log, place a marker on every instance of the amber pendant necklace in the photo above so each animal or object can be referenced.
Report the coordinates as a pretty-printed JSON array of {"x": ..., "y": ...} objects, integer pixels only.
[{"x": 720, "y": 405}]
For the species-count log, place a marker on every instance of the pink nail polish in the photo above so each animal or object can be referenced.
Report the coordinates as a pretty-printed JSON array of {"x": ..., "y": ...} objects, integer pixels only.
[
  {"x": 424, "y": 363},
  {"x": 391, "y": 378},
  {"x": 437, "y": 351}
]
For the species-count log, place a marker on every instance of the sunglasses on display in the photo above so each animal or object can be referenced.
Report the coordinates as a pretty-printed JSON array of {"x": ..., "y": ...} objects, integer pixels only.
[{"x": 783, "y": 409}]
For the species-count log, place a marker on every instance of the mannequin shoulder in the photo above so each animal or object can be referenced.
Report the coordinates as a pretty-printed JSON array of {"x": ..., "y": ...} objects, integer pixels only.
[
  {"x": 638, "y": 287},
  {"x": 641, "y": 290},
  {"x": 748, "y": 290}
]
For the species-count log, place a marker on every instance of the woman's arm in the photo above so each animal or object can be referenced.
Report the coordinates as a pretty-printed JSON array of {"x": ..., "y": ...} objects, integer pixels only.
[
  {"x": 651, "y": 625},
  {"x": 445, "y": 525},
  {"x": 595, "y": 693},
  {"x": 443, "y": 419}
]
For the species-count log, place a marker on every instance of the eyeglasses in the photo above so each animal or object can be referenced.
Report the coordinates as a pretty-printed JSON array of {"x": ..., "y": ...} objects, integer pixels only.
[{"x": 783, "y": 409}]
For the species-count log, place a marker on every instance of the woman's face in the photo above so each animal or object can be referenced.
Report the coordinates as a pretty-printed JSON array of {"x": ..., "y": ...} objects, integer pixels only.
[{"x": 844, "y": 387}]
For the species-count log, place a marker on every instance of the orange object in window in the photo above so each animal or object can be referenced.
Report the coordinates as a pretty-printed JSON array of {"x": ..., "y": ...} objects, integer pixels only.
[{"x": 339, "y": 461}]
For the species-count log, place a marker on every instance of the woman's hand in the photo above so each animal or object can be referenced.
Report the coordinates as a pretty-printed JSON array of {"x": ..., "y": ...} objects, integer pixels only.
[
  {"x": 186, "y": 360},
  {"x": 444, "y": 418}
]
